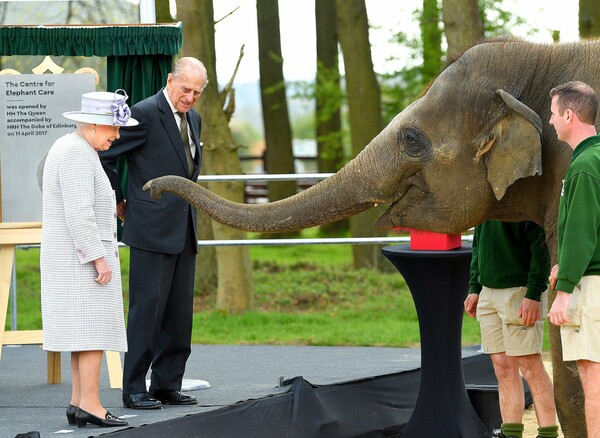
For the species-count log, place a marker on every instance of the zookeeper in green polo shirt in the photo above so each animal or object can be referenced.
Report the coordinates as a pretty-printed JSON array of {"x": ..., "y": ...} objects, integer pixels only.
[
  {"x": 576, "y": 278},
  {"x": 508, "y": 295}
]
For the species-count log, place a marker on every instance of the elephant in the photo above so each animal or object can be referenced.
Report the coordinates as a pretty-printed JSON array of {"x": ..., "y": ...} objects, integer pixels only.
[{"x": 475, "y": 145}]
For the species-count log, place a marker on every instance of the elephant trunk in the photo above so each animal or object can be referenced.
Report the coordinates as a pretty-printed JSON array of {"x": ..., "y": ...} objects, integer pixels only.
[{"x": 344, "y": 194}]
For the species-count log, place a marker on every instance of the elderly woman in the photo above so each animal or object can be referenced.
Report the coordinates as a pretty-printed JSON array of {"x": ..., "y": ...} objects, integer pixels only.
[{"x": 82, "y": 302}]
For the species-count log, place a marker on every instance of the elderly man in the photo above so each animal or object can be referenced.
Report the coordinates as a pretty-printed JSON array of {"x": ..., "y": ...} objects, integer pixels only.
[{"x": 161, "y": 236}]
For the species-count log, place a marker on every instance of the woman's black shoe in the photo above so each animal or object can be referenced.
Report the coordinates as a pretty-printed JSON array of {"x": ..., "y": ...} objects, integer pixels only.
[
  {"x": 82, "y": 418},
  {"x": 71, "y": 414}
]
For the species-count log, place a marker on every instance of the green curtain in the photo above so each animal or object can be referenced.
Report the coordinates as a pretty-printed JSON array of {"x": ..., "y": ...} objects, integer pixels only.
[
  {"x": 139, "y": 57},
  {"x": 93, "y": 40},
  {"x": 140, "y": 76}
]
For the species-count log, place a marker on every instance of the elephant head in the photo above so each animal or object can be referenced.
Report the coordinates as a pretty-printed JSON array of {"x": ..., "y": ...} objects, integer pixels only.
[{"x": 469, "y": 149}]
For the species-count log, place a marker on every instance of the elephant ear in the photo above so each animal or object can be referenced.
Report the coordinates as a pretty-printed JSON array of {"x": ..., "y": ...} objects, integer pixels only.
[{"x": 514, "y": 149}]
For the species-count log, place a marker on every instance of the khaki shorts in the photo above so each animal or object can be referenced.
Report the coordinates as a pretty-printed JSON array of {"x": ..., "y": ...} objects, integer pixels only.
[
  {"x": 502, "y": 330},
  {"x": 581, "y": 336}
]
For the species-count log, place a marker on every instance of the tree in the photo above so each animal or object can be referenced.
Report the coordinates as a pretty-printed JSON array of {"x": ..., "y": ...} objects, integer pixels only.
[
  {"x": 328, "y": 99},
  {"x": 279, "y": 157},
  {"x": 589, "y": 18},
  {"x": 364, "y": 108},
  {"x": 235, "y": 291},
  {"x": 431, "y": 37},
  {"x": 426, "y": 55},
  {"x": 328, "y": 96},
  {"x": 163, "y": 11},
  {"x": 462, "y": 24}
]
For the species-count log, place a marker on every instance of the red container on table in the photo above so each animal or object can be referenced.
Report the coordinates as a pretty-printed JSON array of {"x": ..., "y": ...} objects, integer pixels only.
[{"x": 426, "y": 240}]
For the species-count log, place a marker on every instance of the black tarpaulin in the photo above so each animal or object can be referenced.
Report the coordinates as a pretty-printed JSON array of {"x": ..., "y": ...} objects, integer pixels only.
[{"x": 377, "y": 406}]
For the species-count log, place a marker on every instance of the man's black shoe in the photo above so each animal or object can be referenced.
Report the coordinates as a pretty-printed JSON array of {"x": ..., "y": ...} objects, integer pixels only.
[
  {"x": 140, "y": 400},
  {"x": 173, "y": 397}
]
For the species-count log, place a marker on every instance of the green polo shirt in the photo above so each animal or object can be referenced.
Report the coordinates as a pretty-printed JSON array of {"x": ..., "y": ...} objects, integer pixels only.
[
  {"x": 579, "y": 217},
  {"x": 510, "y": 254}
]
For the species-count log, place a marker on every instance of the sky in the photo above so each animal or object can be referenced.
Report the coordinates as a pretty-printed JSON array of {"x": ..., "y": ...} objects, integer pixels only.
[{"x": 297, "y": 27}]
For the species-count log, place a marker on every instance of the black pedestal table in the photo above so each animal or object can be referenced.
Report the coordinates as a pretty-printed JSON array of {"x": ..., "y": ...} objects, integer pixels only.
[{"x": 438, "y": 282}]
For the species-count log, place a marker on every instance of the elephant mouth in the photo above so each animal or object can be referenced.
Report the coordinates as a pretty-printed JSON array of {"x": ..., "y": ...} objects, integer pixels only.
[{"x": 413, "y": 192}]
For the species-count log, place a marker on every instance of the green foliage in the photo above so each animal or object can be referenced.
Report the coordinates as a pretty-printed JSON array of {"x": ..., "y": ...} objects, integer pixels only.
[
  {"x": 303, "y": 126},
  {"x": 331, "y": 95},
  {"x": 425, "y": 54},
  {"x": 431, "y": 36},
  {"x": 498, "y": 21},
  {"x": 328, "y": 91},
  {"x": 400, "y": 88}
]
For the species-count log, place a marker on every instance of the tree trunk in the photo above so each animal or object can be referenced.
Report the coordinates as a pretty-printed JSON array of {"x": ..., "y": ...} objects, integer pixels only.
[
  {"x": 279, "y": 156},
  {"x": 431, "y": 37},
  {"x": 589, "y": 18},
  {"x": 163, "y": 11},
  {"x": 364, "y": 108},
  {"x": 235, "y": 290},
  {"x": 328, "y": 99},
  {"x": 327, "y": 90},
  {"x": 206, "y": 282},
  {"x": 462, "y": 24}
]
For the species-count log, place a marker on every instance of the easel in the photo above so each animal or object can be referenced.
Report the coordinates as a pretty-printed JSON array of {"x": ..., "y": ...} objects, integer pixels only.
[{"x": 23, "y": 233}]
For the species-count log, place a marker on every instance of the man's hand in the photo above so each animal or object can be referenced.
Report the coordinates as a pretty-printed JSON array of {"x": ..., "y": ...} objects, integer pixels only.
[
  {"x": 471, "y": 304},
  {"x": 121, "y": 210},
  {"x": 553, "y": 276},
  {"x": 529, "y": 311},
  {"x": 558, "y": 311}
]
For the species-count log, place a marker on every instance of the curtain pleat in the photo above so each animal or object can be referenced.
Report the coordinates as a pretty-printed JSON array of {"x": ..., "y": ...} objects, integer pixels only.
[{"x": 91, "y": 40}]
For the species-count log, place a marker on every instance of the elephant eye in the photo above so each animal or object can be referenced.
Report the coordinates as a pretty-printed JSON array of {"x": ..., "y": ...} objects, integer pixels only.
[{"x": 414, "y": 142}]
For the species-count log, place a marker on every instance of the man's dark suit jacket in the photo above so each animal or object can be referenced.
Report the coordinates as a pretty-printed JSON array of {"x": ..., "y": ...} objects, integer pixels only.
[{"x": 152, "y": 149}]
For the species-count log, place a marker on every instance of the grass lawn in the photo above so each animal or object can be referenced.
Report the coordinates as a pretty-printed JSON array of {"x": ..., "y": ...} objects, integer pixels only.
[{"x": 304, "y": 295}]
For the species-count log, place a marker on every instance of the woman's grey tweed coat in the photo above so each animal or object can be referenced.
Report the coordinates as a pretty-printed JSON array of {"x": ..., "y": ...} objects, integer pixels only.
[{"x": 78, "y": 227}]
